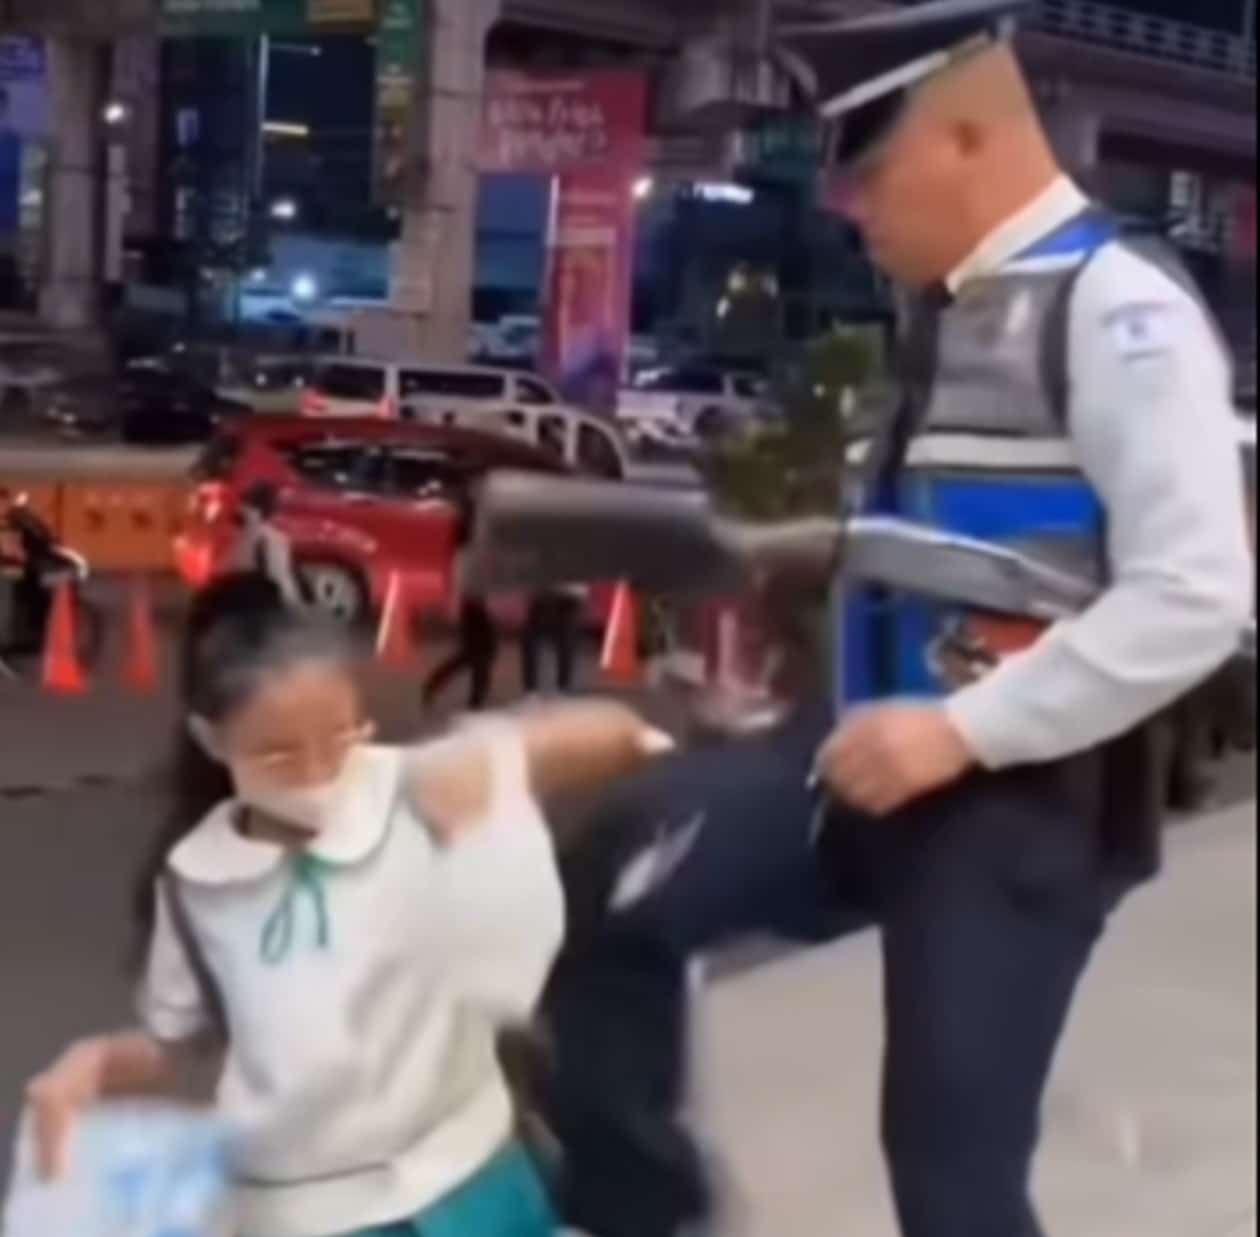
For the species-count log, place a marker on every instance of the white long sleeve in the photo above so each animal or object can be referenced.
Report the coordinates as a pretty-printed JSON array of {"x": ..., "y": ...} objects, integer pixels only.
[{"x": 1154, "y": 430}]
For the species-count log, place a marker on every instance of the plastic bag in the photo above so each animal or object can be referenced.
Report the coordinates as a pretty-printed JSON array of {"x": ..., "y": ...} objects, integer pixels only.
[{"x": 135, "y": 1171}]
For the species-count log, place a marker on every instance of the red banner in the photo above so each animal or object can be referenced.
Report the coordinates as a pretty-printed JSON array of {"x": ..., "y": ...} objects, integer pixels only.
[
  {"x": 552, "y": 125},
  {"x": 588, "y": 132}
]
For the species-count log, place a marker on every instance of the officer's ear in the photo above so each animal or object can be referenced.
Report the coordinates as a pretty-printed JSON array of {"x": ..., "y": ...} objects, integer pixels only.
[{"x": 969, "y": 137}]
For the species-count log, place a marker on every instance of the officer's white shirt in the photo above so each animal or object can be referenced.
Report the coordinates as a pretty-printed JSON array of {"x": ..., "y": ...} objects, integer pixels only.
[{"x": 1153, "y": 428}]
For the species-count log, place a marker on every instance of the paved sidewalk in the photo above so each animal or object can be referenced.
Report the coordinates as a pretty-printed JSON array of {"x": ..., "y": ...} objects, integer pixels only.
[{"x": 1151, "y": 1120}]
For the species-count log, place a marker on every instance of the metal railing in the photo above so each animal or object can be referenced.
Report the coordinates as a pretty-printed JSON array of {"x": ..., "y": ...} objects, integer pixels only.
[{"x": 1157, "y": 38}]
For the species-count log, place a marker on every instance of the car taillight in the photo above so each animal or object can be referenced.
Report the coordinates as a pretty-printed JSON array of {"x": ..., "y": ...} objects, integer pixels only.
[
  {"x": 209, "y": 501},
  {"x": 313, "y": 404}
]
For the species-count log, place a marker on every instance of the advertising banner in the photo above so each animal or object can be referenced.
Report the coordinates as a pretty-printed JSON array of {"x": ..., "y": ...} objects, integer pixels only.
[
  {"x": 399, "y": 69},
  {"x": 551, "y": 125},
  {"x": 588, "y": 132},
  {"x": 590, "y": 261}
]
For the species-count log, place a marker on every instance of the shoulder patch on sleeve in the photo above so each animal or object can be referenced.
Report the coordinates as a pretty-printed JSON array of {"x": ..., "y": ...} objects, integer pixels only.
[{"x": 1142, "y": 329}]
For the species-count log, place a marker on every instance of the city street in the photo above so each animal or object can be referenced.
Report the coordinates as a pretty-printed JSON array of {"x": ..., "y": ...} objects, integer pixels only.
[
  {"x": 888, "y": 352},
  {"x": 1151, "y": 1120}
]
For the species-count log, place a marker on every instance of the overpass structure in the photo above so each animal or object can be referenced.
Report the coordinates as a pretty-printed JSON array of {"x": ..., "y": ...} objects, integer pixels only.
[{"x": 1111, "y": 80}]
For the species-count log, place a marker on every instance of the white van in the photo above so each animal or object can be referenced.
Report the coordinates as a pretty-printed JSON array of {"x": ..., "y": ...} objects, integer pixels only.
[
  {"x": 414, "y": 391},
  {"x": 587, "y": 443}
]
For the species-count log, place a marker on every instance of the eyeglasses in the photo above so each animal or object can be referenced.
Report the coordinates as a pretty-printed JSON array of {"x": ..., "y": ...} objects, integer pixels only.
[{"x": 289, "y": 763}]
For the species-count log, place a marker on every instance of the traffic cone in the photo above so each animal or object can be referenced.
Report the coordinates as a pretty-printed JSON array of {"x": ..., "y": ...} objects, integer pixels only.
[
  {"x": 140, "y": 672},
  {"x": 394, "y": 647},
  {"x": 620, "y": 658},
  {"x": 63, "y": 675}
]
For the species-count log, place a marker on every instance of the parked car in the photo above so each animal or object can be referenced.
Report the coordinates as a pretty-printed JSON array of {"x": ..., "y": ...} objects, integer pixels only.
[
  {"x": 515, "y": 341},
  {"x": 364, "y": 501},
  {"x": 268, "y": 382},
  {"x": 29, "y": 368},
  {"x": 497, "y": 401},
  {"x": 159, "y": 406},
  {"x": 691, "y": 404},
  {"x": 85, "y": 406},
  {"x": 415, "y": 391},
  {"x": 149, "y": 404},
  {"x": 270, "y": 385},
  {"x": 586, "y": 443}
]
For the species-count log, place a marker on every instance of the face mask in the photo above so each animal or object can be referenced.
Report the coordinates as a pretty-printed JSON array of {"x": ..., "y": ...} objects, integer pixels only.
[{"x": 313, "y": 809}]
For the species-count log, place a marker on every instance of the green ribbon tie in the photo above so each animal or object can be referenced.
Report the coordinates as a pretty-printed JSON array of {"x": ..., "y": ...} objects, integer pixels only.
[{"x": 308, "y": 876}]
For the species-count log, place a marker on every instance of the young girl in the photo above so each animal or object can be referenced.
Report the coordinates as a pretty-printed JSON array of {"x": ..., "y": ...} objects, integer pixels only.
[{"x": 355, "y": 923}]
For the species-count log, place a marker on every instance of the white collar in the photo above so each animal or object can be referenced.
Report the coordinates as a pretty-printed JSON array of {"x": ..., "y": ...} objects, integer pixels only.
[
  {"x": 217, "y": 853},
  {"x": 1049, "y": 210}
]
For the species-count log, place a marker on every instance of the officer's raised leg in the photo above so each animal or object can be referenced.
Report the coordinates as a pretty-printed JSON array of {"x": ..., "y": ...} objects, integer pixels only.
[{"x": 711, "y": 845}]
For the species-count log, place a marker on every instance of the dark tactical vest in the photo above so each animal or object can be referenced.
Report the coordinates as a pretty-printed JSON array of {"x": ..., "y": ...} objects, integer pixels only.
[{"x": 986, "y": 396}]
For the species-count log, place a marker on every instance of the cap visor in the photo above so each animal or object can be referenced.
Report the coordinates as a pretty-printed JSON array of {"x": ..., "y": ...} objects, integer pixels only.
[{"x": 862, "y": 131}]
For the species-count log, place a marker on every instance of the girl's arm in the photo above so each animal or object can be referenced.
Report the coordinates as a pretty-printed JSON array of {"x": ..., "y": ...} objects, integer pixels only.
[
  {"x": 131, "y": 1063},
  {"x": 569, "y": 748},
  {"x": 582, "y": 745}
]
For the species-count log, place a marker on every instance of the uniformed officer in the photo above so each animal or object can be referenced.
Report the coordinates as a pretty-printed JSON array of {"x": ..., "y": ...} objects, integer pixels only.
[{"x": 990, "y": 832}]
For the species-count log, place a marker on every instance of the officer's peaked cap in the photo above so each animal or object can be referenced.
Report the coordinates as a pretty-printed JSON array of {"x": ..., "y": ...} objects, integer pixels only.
[{"x": 859, "y": 71}]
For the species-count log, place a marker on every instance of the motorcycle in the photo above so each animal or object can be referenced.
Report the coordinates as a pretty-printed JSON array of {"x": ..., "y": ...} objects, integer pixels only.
[{"x": 34, "y": 575}]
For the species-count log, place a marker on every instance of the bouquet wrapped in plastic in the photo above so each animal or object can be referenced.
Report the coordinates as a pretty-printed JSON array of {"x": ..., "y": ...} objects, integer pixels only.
[{"x": 134, "y": 1171}]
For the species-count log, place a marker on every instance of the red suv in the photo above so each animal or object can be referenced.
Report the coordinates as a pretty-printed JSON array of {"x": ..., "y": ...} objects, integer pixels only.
[{"x": 364, "y": 502}]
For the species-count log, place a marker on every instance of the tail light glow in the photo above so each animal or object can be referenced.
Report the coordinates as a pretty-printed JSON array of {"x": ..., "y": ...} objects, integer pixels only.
[
  {"x": 210, "y": 501},
  {"x": 313, "y": 404}
]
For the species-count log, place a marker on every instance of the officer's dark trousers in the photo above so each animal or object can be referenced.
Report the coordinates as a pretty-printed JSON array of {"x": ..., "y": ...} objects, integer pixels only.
[{"x": 989, "y": 900}]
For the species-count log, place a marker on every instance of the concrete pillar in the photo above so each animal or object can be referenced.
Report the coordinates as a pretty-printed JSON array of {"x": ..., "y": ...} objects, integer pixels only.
[
  {"x": 70, "y": 293},
  {"x": 137, "y": 85},
  {"x": 433, "y": 265}
]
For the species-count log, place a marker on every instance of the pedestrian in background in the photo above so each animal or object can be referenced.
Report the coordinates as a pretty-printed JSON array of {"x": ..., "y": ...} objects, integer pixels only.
[
  {"x": 553, "y": 624},
  {"x": 263, "y": 547},
  {"x": 477, "y": 637},
  {"x": 476, "y": 651}
]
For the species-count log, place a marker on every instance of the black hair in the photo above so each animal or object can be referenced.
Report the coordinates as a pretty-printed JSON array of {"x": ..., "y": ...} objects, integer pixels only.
[
  {"x": 238, "y": 631},
  {"x": 263, "y": 498}
]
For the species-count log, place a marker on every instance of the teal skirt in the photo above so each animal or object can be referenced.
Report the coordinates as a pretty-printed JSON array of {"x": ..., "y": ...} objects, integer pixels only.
[{"x": 505, "y": 1199}]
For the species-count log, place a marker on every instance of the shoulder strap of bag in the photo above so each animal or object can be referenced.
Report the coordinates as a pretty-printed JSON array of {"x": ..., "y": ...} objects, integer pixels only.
[
  {"x": 181, "y": 921},
  {"x": 1056, "y": 361}
]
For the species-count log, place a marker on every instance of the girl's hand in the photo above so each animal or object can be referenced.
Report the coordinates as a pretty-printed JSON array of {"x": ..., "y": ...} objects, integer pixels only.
[
  {"x": 56, "y": 1100},
  {"x": 579, "y": 745}
]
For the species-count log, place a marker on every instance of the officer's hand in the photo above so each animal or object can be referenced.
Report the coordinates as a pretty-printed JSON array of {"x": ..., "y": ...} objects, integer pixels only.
[{"x": 882, "y": 758}]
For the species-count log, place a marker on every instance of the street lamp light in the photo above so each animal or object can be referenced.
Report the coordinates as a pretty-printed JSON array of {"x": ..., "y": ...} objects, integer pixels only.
[
  {"x": 305, "y": 289},
  {"x": 284, "y": 210},
  {"x": 116, "y": 113}
]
